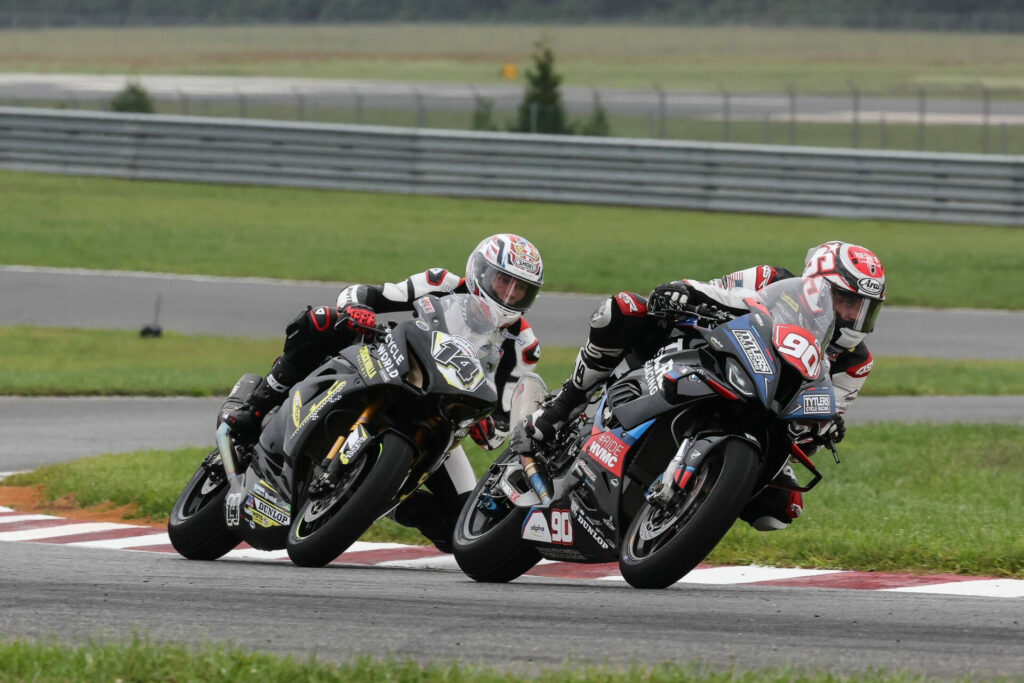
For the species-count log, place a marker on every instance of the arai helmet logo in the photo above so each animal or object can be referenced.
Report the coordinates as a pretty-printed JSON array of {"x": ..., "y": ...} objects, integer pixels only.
[{"x": 869, "y": 285}]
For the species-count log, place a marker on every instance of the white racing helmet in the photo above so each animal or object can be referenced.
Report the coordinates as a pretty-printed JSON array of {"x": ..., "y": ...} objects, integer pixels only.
[
  {"x": 858, "y": 287},
  {"x": 506, "y": 272}
]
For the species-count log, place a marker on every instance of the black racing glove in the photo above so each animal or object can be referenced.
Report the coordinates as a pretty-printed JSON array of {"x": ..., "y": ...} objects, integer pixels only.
[
  {"x": 833, "y": 434},
  {"x": 670, "y": 297}
]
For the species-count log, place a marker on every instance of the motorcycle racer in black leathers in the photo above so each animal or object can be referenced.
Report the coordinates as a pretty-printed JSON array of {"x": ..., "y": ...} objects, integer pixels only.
[
  {"x": 506, "y": 272},
  {"x": 621, "y": 328}
]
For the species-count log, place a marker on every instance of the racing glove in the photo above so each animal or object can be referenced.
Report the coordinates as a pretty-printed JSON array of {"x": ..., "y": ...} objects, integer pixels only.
[
  {"x": 833, "y": 434},
  {"x": 670, "y": 297},
  {"x": 357, "y": 319},
  {"x": 490, "y": 432}
]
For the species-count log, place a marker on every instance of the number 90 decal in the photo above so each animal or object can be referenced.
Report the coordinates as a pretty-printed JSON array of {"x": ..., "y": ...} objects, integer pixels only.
[{"x": 799, "y": 348}]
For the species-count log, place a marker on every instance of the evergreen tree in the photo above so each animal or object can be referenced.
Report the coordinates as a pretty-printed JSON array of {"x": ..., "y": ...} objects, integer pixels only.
[
  {"x": 133, "y": 98},
  {"x": 541, "y": 110}
]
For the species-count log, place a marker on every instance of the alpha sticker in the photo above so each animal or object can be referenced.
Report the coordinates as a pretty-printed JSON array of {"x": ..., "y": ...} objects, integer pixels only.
[
  {"x": 536, "y": 528},
  {"x": 752, "y": 350}
]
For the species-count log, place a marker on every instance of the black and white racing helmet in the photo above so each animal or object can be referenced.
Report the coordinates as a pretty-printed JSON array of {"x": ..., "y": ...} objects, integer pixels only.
[
  {"x": 858, "y": 287},
  {"x": 506, "y": 272}
]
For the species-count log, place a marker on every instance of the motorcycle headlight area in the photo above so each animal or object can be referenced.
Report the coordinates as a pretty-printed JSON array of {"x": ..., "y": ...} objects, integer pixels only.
[{"x": 738, "y": 378}]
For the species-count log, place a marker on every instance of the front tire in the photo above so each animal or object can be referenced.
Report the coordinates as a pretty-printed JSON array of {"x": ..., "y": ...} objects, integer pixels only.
[
  {"x": 196, "y": 526},
  {"x": 325, "y": 527},
  {"x": 488, "y": 545},
  {"x": 662, "y": 545}
]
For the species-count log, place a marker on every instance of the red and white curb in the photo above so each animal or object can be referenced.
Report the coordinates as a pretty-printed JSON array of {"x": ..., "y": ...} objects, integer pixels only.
[{"x": 32, "y": 528}]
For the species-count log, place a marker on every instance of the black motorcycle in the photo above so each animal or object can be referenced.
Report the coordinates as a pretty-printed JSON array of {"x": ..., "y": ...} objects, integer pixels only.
[
  {"x": 676, "y": 447},
  {"x": 358, "y": 435}
]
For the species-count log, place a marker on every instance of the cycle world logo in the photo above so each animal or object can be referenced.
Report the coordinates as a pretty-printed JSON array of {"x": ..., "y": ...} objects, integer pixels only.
[{"x": 752, "y": 350}]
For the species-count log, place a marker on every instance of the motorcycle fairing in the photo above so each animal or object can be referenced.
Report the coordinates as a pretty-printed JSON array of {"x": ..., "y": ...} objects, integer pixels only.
[
  {"x": 817, "y": 402},
  {"x": 744, "y": 338}
]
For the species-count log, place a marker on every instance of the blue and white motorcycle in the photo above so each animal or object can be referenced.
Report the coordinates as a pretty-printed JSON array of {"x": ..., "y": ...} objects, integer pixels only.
[{"x": 677, "y": 446}]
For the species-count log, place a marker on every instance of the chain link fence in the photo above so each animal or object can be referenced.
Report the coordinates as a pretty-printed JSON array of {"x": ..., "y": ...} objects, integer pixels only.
[{"x": 978, "y": 119}]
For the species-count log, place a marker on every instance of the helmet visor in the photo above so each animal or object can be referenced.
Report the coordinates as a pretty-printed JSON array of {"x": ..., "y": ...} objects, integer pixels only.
[
  {"x": 856, "y": 312},
  {"x": 503, "y": 287}
]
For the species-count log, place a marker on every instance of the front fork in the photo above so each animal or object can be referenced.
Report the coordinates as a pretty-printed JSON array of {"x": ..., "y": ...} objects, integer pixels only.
[{"x": 343, "y": 450}]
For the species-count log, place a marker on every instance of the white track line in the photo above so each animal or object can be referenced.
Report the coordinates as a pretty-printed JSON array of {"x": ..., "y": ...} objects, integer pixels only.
[
  {"x": 129, "y": 542},
  {"x": 985, "y": 588},
  {"x": 58, "y": 531}
]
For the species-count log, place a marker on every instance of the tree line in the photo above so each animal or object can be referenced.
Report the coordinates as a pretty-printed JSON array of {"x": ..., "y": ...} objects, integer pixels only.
[{"x": 996, "y": 15}]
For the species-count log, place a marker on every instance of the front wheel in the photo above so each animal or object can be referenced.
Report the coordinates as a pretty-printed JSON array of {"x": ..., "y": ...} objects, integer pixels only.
[
  {"x": 487, "y": 542},
  {"x": 328, "y": 524},
  {"x": 663, "y": 544},
  {"x": 196, "y": 526}
]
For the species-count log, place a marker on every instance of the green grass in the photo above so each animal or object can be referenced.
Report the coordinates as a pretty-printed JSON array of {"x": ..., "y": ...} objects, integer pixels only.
[
  {"x": 920, "y": 498},
  {"x": 917, "y": 498},
  {"x": 46, "y": 361},
  {"x": 618, "y": 55},
  {"x": 141, "y": 660},
  {"x": 49, "y": 361},
  {"x": 312, "y": 234}
]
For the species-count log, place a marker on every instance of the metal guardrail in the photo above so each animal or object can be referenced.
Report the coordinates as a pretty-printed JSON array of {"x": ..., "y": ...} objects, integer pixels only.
[{"x": 963, "y": 188}]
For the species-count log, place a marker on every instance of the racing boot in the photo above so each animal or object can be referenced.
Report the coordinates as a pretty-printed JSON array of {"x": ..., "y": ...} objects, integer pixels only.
[
  {"x": 247, "y": 420},
  {"x": 423, "y": 511},
  {"x": 777, "y": 505}
]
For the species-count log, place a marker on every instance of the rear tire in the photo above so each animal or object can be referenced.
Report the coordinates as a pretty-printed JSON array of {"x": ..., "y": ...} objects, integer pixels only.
[
  {"x": 677, "y": 540},
  {"x": 489, "y": 548},
  {"x": 196, "y": 527},
  {"x": 319, "y": 534}
]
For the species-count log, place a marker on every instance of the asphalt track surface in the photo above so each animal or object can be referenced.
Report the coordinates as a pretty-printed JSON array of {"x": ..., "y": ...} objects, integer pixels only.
[
  {"x": 80, "y": 593},
  {"x": 76, "y": 594}
]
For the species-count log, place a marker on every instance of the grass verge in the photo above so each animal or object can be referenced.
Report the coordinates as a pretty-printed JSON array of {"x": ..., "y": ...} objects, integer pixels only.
[
  {"x": 102, "y": 223},
  {"x": 741, "y": 58},
  {"x": 47, "y": 361},
  {"x": 906, "y": 498},
  {"x": 140, "y": 660}
]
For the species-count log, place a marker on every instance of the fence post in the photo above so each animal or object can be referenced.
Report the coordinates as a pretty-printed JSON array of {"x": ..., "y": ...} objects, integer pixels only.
[
  {"x": 986, "y": 111},
  {"x": 921, "y": 99},
  {"x": 241, "y": 103},
  {"x": 184, "y": 102},
  {"x": 300, "y": 104},
  {"x": 855, "y": 94},
  {"x": 882, "y": 137},
  {"x": 726, "y": 112},
  {"x": 766, "y": 128},
  {"x": 662, "y": 110},
  {"x": 533, "y": 116},
  {"x": 358, "y": 101},
  {"x": 792, "y": 114},
  {"x": 421, "y": 114}
]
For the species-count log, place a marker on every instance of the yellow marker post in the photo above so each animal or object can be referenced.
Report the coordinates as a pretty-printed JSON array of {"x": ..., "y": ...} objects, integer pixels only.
[{"x": 509, "y": 71}]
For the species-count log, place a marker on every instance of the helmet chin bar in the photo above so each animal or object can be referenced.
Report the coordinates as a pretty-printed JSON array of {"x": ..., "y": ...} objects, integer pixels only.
[{"x": 848, "y": 339}]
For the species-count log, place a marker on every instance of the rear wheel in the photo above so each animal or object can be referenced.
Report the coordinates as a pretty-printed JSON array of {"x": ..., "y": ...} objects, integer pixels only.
[
  {"x": 663, "y": 544},
  {"x": 196, "y": 526},
  {"x": 488, "y": 542},
  {"x": 328, "y": 524}
]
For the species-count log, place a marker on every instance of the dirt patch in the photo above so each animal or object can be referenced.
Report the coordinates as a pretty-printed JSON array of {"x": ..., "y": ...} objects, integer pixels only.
[{"x": 30, "y": 500}]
